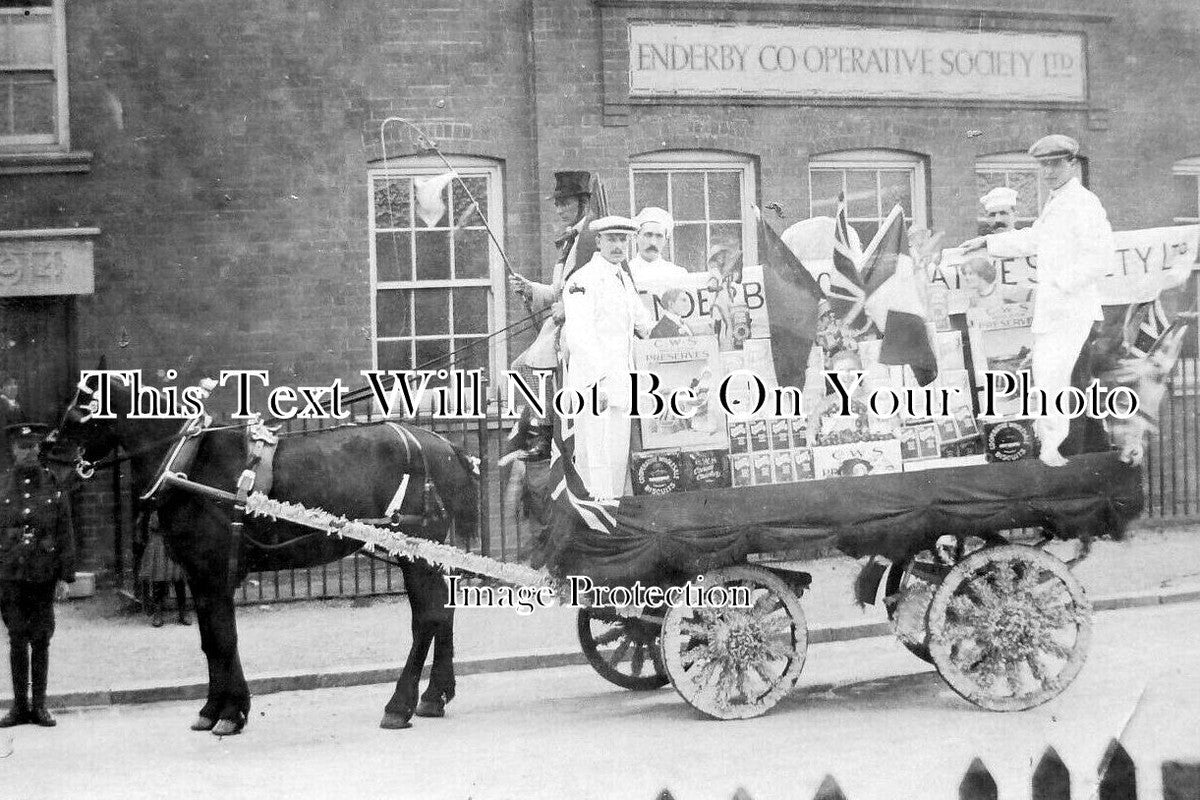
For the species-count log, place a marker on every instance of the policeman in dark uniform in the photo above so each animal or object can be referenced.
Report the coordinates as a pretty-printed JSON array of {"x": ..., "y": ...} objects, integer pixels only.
[{"x": 37, "y": 549}]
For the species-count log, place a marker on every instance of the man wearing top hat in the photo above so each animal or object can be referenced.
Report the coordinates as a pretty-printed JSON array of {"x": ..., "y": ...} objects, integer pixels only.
[
  {"x": 1000, "y": 210},
  {"x": 575, "y": 246},
  {"x": 602, "y": 311},
  {"x": 1073, "y": 242},
  {"x": 37, "y": 550}
]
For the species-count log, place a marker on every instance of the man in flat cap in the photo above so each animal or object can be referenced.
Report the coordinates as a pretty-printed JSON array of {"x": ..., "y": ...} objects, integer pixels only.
[
  {"x": 37, "y": 550},
  {"x": 1073, "y": 242},
  {"x": 648, "y": 267},
  {"x": 1000, "y": 210},
  {"x": 602, "y": 312}
]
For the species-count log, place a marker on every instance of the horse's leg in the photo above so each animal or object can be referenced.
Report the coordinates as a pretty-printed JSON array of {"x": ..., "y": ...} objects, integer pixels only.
[
  {"x": 441, "y": 675},
  {"x": 234, "y": 712},
  {"x": 207, "y": 717},
  {"x": 399, "y": 709}
]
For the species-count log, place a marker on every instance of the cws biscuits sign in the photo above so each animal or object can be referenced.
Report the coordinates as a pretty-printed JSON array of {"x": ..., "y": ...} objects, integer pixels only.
[{"x": 700, "y": 60}]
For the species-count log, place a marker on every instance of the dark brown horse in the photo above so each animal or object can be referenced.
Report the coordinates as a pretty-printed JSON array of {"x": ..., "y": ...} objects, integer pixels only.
[{"x": 352, "y": 470}]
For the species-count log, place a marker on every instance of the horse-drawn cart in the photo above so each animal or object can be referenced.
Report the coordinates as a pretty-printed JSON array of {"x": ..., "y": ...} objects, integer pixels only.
[{"x": 1006, "y": 624}]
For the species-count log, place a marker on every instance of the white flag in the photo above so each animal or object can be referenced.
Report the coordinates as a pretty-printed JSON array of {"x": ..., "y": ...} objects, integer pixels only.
[{"x": 430, "y": 192}]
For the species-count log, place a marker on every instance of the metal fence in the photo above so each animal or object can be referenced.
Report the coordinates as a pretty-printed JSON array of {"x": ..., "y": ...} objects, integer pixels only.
[
  {"x": 1172, "y": 484},
  {"x": 1115, "y": 778}
]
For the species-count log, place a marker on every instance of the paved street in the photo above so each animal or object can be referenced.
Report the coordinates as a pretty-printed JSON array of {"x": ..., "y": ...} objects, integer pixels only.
[{"x": 881, "y": 727}]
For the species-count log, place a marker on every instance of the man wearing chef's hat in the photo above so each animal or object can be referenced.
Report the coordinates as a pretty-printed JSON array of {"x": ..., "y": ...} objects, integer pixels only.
[
  {"x": 1000, "y": 210},
  {"x": 654, "y": 228}
]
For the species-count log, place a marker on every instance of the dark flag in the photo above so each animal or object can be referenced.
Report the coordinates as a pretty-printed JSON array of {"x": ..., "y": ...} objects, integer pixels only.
[{"x": 792, "y": 297}]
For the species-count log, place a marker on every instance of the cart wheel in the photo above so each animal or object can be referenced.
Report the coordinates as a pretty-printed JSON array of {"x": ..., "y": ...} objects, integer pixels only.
[
  {"x": 735, "y": 663},
  {"x": 1009, "y": 628},
  {"x": 623, "y": 650}
]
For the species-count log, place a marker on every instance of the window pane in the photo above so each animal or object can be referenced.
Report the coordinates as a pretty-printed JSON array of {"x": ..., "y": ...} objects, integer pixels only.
[
  {"x": 471, "y": 254},
  {"x": 471, "y": 310},
  {"x": 391, "y": 313},
  {"x": 726, "y": 246},
  {"x": 475, "y": 356},
  {"x": 724, "y": 195},
  {"x": 866, "y": 231},
  {"x": 689, "y": 247},
  {"x": 464, "y": 216},
  {"x": 32, "y": 42},
  {"x": 433, "y": 255},
  {"x": 861, "y": 200},
  {"x": 986, "y": 180},
  {"x": 1025, "y": 184},
  {"x": 433, "y": 354},
  {"x": 649, "y": 189},
  {"x": 393, "y": 256},
  {"x": 826, "y": 186},
  {"x": 896, "y": 188},
  {"x": 687, "y": 195},
  {"x": 33, "y": 103},
  {"x": 394, "y": 355},
  {"x": 1184, "y": 195},
  {"x": 432, "y": 311},
  {"x": 392, "y": 201}
]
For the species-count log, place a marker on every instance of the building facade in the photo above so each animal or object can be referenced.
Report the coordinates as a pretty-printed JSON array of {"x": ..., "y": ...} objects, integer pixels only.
[{"x": 211, "y": 185}]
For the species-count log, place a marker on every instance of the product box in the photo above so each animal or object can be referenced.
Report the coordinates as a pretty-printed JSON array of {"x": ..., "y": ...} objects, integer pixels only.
[
  {"x": 760, "y": 436},
  {"x": 741, "y": 472},
  {"x": 779, "y": 430},
  {"x": 785, "y": 467},
  {"x": 658, "y": 472},
  {"x": 803, "y": 459},
  {"x": 739, "y": 437},
  {"x": 1009, "y": 440},
  {"x": 919, "y": 442},
  {"x": 764, "y": 469},
  {"x": 857, "y": 458},
  {"x": 799, "y": 431},
  {"x": 705, "y": 469}
]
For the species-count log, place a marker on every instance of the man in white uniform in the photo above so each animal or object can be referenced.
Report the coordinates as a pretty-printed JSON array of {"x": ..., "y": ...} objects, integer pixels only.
[
  {"x": 1000, "y": 209},
  {"x": 654, "y": 227},
  {"x": 602, "y": 308},
  {"x": 1073, "y": 242}
]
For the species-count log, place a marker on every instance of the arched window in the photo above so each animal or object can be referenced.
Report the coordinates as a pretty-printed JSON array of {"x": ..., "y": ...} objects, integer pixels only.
[
  {"x": 873, "y": 181},
  {"x": 437, "y": 281},
  {"x": 710, "y": 196}
]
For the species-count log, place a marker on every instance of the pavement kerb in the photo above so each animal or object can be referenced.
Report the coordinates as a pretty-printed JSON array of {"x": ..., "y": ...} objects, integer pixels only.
[{"x": 365, "y": 676}]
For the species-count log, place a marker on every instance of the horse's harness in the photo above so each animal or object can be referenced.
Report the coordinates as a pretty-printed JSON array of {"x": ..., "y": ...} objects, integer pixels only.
[{"x": 258, "y": 476}]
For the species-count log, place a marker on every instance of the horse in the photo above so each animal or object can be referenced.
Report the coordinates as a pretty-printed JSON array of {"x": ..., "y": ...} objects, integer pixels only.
[
  {"x": 1147, "y": 377},
  {"x": 349, "y": 470}
]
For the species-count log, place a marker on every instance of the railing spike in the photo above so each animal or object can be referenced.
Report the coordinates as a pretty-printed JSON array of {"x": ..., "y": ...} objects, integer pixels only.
[
  {"x": 829, "y": 790},
  {"x": 1051, "y": 778},
  {"x": 1118, "y": 775},
  {"x": 977, "y": 783}
]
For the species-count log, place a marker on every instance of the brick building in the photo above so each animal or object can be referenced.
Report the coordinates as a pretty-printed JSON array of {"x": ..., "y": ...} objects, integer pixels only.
[{"x": 211, "y": 184}]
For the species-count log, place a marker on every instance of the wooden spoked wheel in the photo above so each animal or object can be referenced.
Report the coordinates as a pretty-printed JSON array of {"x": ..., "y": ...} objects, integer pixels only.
[
  {"x": 735, "y": 663},
  {"x": 623, "y": 650},
  {"x": 1009, "y": 628}
]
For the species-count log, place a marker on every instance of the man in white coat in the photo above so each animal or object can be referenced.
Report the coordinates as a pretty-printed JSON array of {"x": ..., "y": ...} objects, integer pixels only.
[
  {"x": 1073, "y": 242},
  {"x": 602, "y": 309},
  {"x": 648, "y": 267}
]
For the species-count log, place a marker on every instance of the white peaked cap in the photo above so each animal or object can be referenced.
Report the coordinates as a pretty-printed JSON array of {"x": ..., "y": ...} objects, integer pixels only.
[
  {"x": 999, "y": 198},
  {"x": 655, "y": 214}
]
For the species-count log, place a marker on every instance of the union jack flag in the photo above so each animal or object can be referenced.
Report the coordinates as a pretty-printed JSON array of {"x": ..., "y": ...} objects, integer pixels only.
[
  {"x": 571, "y": 496},
  {"x": 1153, "y": 324}
]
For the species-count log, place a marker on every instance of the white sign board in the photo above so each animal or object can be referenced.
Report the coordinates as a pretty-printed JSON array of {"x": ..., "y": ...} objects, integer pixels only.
[
  {"x": 46, "y": 266},
  {"x": 689, "y": 60}
]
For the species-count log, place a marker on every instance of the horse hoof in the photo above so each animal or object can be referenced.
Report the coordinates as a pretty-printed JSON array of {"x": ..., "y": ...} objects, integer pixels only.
[
  {"x": 226, "y": 727},
  {"x": 394, "y": 722},
  {"x": 430, "y": 708},
  {"x": 203, "y": 724}
]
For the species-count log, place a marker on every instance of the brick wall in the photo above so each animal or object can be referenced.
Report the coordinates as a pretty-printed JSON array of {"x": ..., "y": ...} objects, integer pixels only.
[{"x": 232, "y": 142}]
